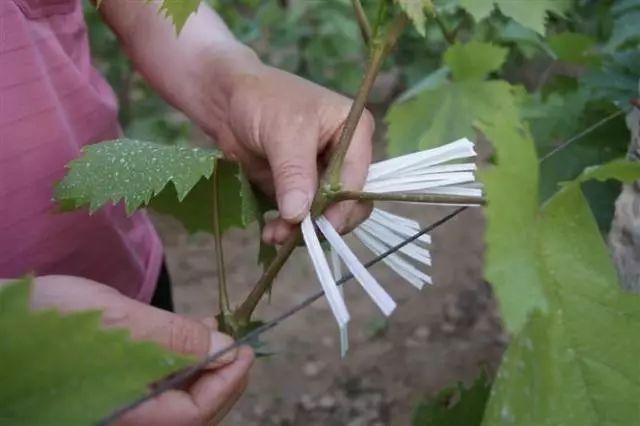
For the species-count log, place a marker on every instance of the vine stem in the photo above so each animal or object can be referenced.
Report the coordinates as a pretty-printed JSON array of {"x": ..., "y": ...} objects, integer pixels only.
[
  {"x": 331, "y": 178},
  {"x": 363, "y": 21},
  {"x": 408, "y": 198},
  {"x": 223, "y": 296},
  {"x": 379, "y": 51}
]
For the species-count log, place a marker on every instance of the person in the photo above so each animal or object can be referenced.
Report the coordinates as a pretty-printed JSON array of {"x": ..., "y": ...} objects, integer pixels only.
[{"x": 280, "y": 127}]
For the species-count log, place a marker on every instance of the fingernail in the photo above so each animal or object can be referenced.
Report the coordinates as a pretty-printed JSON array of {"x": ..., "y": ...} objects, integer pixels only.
[
  {"x": 218, "y": 342},
  {"x": 294, "y": 205}
]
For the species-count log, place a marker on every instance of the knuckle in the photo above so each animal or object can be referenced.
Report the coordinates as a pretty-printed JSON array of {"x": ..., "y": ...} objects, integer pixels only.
[{"x": 289, "y": 171}]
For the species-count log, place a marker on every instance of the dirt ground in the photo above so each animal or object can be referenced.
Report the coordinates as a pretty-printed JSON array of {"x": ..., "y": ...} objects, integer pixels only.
[{"x": 440, "y": 335}]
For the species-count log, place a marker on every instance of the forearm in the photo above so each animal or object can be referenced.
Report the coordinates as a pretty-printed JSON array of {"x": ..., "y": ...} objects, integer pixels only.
[{"x": 205, "y": 53}]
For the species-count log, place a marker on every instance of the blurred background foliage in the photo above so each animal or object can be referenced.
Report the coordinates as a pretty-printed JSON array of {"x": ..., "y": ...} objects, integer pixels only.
[{"x": 583, "y": 68}]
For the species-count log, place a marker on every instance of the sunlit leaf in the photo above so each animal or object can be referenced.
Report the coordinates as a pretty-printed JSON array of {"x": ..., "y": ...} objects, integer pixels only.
[
  {"x": 530, "y": 13},
  {"x": 416, "y": 10},
  {"x": 131, "y": 171},
  {"x": 575, "y": 364}
]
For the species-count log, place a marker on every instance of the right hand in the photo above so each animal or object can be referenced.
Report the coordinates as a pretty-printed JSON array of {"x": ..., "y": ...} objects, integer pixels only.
[{"x": 203, "y": 402}]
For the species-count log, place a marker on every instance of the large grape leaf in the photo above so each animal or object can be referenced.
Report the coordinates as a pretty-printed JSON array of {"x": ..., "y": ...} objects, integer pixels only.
[
  {"x": 63, "y": 369},
  {"x": 529, "y": 13},
  {"x": 578, "y": 363},
  {"x": 512, "y": 231},
  {"x": 132, "y": 171},
  {"x": 446, "y": 112},
  {"x": 416, "y": 11},
  {"x": 455, "y": 406}
]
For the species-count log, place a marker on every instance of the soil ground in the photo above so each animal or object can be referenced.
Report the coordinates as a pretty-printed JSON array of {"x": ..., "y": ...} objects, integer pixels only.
[{"x": 443, "y": 334}]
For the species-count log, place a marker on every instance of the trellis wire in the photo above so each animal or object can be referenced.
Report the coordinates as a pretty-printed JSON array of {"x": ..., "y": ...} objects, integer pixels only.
[
  {"x": 186, "y": 374},
  {"x": 181, "y": 377}
]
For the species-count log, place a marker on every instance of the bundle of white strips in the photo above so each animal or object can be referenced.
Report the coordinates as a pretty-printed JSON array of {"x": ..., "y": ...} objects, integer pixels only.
[{"x": 440, "y": 171}]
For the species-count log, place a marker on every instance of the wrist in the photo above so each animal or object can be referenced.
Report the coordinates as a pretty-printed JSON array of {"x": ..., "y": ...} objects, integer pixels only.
[{"x": 219, "y": 72}]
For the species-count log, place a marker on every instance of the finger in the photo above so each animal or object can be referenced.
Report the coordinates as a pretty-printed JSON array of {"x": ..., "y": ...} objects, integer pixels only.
[
  {"x": 277, "y": 231},
  {"x": 213, "y": 390},
  {"x": 354, "y": 174},
  {"x": 231, "y": 402},
  {"x": 170, "y": 408},
  {"x": 295, "y": 175},
  {"x": 174, "y": 332}
]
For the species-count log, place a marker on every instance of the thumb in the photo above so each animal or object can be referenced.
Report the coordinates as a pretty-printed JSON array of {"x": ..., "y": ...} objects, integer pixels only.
[
  {"x": 174, "y": 332},
  {"x": 295, "y": 174}
]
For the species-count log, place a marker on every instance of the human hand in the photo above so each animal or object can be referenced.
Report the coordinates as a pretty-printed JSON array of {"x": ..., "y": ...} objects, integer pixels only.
[
  {"x": 203, "y": 402},
  {"x": 282, "y": 129}
]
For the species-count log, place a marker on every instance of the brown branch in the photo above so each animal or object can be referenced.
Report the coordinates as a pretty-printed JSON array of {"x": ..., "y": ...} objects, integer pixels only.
[
  {"x": 331, "y": 177},
  {"x": 408, "y": 198}
]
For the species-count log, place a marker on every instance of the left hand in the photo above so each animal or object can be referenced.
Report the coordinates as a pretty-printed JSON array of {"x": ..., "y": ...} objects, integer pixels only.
[{"x": 282, "y": 129}]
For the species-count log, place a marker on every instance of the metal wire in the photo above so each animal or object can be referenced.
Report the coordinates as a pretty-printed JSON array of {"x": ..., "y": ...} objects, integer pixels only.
[{"x": 178, "y": 379}]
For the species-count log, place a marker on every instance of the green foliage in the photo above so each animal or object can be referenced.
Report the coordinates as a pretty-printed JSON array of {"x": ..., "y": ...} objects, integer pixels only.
[
  {"x": 512, "y": 264},
  {"x": 448, "y": 110},
  {"x": 132, "y": 171},
  {"x": 416, "y": 11},
  {"x": 573, "y": 365},
  {"x": 574, "y": 48},
  {"x": 63, "y": 369},
  {"x": 617, "y": 80},
  {"x": 455, "y": 406},
  {"x": 179, "y": 11},
  {"x": 531, "y": 14}
]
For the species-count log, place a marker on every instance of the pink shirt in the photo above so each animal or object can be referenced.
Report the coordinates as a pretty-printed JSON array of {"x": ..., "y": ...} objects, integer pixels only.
[{"x": 52, "y": 102}]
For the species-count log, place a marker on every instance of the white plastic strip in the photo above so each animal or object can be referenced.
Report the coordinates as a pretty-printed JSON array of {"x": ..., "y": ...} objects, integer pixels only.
[
  {"x": 337, "y": 274},
  {"x": 403, "y": 268},
  {"x": 427, "y": 179},
  {"x": 462, "y": 148},
  {"x": 384, "y": 235},
  {"x": 336, "y": 302},
  {"x": 364, "y": 277},
  {"x": 419, "y": 186},
  {"x": 402, "y": 226}
]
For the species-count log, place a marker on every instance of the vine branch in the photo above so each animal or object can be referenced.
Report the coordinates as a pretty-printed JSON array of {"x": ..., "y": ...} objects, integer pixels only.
[
  {"x": 408, "y": 197},
  {"x": 331, "y": 178}
]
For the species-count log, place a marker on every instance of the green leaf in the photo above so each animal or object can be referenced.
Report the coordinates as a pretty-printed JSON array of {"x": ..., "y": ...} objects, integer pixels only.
[
  {"x": 455, "y": 406},
  {"x": 444, "y": 111},
  {"x": 474, "y": 60},
  {"x": 574, "y": 48},
  {"x": 617, "y": 79},
  {"x": 179, "y": 11},
  {"x": 132, "y": 171},
  {"x": 530, "y": 13},
  {"x": 416, "y": 11},
  {"x": 524, "y": 39},
  {"x": 64, "y": 369},
  {"x": 575, "y": 365},
  {"x": 511, "y": 186},
  {"x": 447, "y": 113},
  {"x": 239, "y": 207}
]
